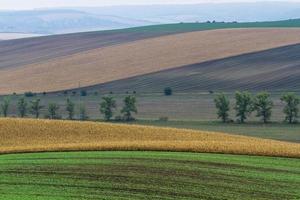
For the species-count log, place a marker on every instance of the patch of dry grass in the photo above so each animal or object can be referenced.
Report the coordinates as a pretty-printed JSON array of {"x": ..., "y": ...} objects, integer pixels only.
[
  {"x": 141, "y": 57},
  {"x": 28, "y": 135}
]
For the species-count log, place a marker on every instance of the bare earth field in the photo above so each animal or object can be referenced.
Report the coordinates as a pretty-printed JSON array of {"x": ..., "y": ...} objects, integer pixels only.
[
  {"x": 140, "y": 57},
  {"x": 276, "y": 70},
  {"x": 19, "y": 135}
]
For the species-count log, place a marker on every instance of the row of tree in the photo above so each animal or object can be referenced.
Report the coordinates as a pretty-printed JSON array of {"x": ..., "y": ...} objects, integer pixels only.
[
  {"x": 108, "y": 106},
  {"x": 261, "y": 103}
]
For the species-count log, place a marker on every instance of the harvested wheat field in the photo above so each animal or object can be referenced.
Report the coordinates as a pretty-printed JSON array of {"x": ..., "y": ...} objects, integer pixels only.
[
  {"x": 27, "y": 135},
  {"x": 141, "y": 57}
]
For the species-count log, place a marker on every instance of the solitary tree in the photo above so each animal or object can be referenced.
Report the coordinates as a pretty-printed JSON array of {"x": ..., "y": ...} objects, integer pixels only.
[
  {"x": 223, "y": 106},
  {"x": 22, "y": 107},
  {"x": 129, "y": 108},
  {"x": 263, "y": 106},
  {"x": 243, "y": 105},
  {"x": 107, "y": 106},
  {"x": 70, "y": 109},
  {"x": 291, "y": 109},
  {"x": 52, "y": 110},
  {"x": 4, "y": 106},
  {"x": 35, "y": 107},
  {"x": 82, "y": 113},
  {"x": 168, "y": 91}
]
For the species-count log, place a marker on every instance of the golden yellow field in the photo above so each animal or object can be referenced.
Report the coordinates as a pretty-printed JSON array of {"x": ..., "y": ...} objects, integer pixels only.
[
  {"x": 141, "y": 57},
  {"x": 28, "y": 135}
]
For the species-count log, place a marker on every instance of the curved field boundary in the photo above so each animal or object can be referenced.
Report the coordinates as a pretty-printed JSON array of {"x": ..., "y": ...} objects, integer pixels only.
[
  {"x": 272, "y": 70},
  {"x": 147, "y": 175},
  {"x": 19, "y": 52},
  {"x": 26, "y": 135},
  {"x": 141, "y": 57}
]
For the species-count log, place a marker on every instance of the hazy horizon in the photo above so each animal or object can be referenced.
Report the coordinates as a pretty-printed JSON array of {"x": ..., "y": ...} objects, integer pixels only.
[{"x": 48, "y": 4}]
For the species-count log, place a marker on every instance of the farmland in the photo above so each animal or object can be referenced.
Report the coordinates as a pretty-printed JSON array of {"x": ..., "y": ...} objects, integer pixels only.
[
  {"x": 169, "y": 52},
  {"x": 176, "y": 148},
  {"x": 275, "y": 70},
  {"x": 147, "y": 175},
  {"x": 19, "y": 135},
  {"x": 275, "y": 131}
]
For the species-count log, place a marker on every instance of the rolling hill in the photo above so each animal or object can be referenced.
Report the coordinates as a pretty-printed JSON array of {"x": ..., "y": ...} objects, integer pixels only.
[
  {"x": 26, "y": 135},
  {"x": 61, "y": 62},
  {"x": 275, "y": 69}
]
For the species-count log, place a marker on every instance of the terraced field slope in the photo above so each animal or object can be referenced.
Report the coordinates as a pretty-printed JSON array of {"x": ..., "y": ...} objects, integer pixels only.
[
  {"x": 138, "y": 58},
  {"x": 41, "y": 135},
  {"x": 272, "y": 70},
  {"x": 147, "y": 175}
]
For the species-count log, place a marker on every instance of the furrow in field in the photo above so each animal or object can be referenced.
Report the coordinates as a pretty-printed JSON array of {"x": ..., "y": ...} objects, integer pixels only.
[
  {"x": 273, "y": 70},
  {"x": 141, "y": 57}
]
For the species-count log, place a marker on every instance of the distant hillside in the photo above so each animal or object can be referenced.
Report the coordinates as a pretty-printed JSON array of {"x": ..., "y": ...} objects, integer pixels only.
[
  {"x": 28, "y": 51},
  {"x": 61, "y": 21},
  {"x": 227, "y": 12},
  {"x": 273, "y": 70},
  {"x": 61, "y": 62},
  {"x": 68, "y": 20}
]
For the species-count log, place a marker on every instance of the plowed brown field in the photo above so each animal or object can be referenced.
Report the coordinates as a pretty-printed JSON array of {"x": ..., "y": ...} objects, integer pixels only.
[{"x": 141, "y": 57}]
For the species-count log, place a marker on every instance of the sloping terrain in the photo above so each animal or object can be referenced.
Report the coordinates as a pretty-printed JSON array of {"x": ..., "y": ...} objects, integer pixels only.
[
  {"x": 131, "y": 59},
  {"x": 147, "y": 175},
  {"x": 19, "y": 135},
  {"x": 27, "y": 51},
  {"x": 273, "y": 70},
  {"x": 16, "y": 53}
]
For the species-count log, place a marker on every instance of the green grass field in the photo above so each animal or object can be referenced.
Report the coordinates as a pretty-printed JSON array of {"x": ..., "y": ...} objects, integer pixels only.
[{"x": 147, "y": 175}]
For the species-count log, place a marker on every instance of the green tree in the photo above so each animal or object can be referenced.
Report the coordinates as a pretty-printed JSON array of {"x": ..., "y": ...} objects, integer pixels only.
[
  {"x": 22, "y": 107},
  {"x": 168, "y": 91},
  {"x": 52, "y": 110},
  {"x": 129, "y": 108},
  {"x": 82, "y": 113},
  {"x": 263, "y": 105},
  {"x": 243, "y": 105},
  {"x": 4, "y": 106},
  {"x": 223, "y": 106},
  {"x": 107, "y": 106},
  {"x": 70, "y": 108},
  {"x": 35, "y": 107},
  {"x": 291, "y": 109}
]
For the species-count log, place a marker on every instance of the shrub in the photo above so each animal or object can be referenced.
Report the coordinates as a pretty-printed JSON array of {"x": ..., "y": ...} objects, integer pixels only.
[
  {"x": 52, "y": 111},
  {"x": 4, "y": 106},
  {"x": 83, "y": 93},
  {"x": 163, "y": 119},
  {"x": 82, "y": 113},
  {"x": 22, "y": 107},
  {"x": 70, "y": 108},
  {"x": 168, "y": 91},
  {"x": 243, "y": 105},
  {"x": 129, "y": 108},
  {"x": 223, "y": 106},
  {"x": 35, "y": 108},
  {"x": 29, "y": 94},
  {"x": 263, "y": 106},
  {"x": 107, "y": 106},
  {"x": 291, "y": 109}
]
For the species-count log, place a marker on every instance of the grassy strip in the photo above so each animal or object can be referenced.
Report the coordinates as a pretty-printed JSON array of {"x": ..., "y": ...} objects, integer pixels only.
[{"x": 147, "y": 175}]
